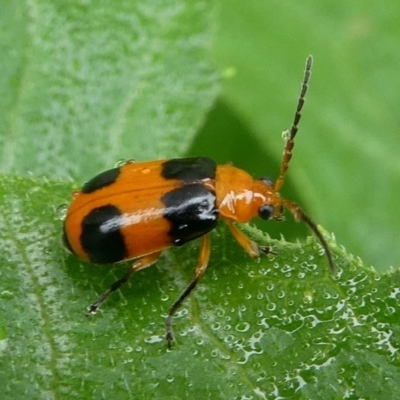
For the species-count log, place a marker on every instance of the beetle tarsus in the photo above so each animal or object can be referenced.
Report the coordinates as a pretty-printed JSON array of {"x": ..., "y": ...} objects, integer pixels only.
[
  {"x": 92, "y": 309},
  {"x": 267, "y": 250},
  {"x": 169, "y": 337}
]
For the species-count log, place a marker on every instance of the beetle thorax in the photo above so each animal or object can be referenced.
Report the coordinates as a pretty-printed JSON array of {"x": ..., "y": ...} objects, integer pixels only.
[{"x": 239, "y": 196}]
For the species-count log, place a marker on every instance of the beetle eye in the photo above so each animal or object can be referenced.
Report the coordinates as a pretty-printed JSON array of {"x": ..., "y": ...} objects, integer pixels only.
[
  {"x": 266, "y": 211},
  {"x": 268, "y": 181}
]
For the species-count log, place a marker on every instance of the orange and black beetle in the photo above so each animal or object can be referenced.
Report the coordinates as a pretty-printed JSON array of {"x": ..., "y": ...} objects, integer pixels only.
[{"x": 140, "y": 209}]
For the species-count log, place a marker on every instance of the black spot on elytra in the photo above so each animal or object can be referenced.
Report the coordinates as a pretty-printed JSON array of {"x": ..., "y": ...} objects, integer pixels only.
[
  {"x": 104, "y": 179},
  {"x": 192, "y": 212},
  {"x": 101, "y": 237},
  {"x": 189, "y": 169}
]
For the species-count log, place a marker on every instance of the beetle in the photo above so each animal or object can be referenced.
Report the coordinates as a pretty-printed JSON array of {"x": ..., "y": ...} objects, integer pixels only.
[{"x": 138, "y": 210}]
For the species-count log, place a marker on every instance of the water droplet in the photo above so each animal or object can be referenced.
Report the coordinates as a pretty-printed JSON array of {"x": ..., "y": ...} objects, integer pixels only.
[
  {"x": 308, "y": 297},
  {"x": 259, "y": 314},
  {"x": 214, "y": 353},
  {"x": 154, "y": 339},
  {"x": 61, "y": 211},
  {"x": 216, "y": 326},
  {"x": 270, "y": 287},
  {"x": 181, "y": 313},
  {"x": 227, "y": 327},
  {"x": 271, "y": 306},
  {"x": 122, "y": 162},
  {"x": 351, "y": 291},
  {"x": 7, "y": 295},
  {"x": 220, "y": 312},
  {"x": 286, "y": 135},
  {"x": 199, "y": 341},
  {"x": 242, "y": 308},
  {"x": 229, "y": 339},
  {"x": 242, "y": 327},
  {"x": 286, "y": 268},
  {"x": 281, "y": 294},
  {"x": 165, "y": 297},
  {"x": 394, "y": 293},
  {"x": 263, "y": 322}
]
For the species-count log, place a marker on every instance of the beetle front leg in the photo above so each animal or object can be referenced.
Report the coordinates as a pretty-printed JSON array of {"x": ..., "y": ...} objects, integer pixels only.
[{"x": 252, "y": 248}]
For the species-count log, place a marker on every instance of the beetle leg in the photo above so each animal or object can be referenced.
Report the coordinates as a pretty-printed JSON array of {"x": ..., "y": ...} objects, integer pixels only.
[
  {"x": 139, "y": 264},
  {"x": 201, "y": 267},
  {"x": 251, "y": 248}
]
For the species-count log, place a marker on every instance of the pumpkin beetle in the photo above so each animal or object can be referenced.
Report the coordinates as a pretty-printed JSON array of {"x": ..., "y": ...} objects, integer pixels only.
[{"x": 138, "y": 210}]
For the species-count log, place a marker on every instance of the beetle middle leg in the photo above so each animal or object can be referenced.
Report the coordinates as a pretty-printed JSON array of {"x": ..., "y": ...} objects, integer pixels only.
[
  {"x": 139, "y": 264},
  {"x": 200, "y": 269}
]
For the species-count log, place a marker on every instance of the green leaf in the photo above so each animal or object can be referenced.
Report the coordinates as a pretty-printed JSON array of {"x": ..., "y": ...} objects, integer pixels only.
[
  {"x": 102, "y": 82},
  {"x": 281, "y": 326}
]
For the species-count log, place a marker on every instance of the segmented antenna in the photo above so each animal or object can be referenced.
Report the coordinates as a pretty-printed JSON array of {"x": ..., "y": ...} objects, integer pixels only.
[
  {"x": 287, "y": 152},
  {"x": 299, "y": 215},
  {"x": 297, "y": 212}
]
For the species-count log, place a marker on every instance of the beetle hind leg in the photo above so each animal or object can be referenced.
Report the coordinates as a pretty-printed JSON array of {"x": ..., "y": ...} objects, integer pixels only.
[
  {"x": 200, "y": 269},
  {"x": 139, "y": 264}
]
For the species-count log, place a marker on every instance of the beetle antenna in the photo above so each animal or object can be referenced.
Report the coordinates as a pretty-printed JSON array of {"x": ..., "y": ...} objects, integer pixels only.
[
  {"x": 287, "y": 152},
  {"x": 299, "y": 215}
]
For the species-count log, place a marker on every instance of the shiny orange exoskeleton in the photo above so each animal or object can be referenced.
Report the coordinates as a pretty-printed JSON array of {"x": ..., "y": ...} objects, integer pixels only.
[{"x": 140, "y": 209}]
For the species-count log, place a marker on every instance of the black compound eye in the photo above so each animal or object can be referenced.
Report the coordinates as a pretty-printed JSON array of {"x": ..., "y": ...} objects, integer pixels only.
[
  {"x": 268, "y": 181},
  {"x": 266, "y": 212}
]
